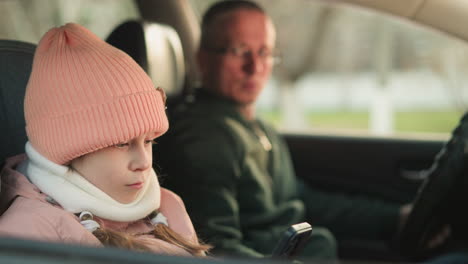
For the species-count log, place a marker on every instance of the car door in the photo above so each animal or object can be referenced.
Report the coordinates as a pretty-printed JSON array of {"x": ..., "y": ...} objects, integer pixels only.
[{"x": 390, "y": 169}]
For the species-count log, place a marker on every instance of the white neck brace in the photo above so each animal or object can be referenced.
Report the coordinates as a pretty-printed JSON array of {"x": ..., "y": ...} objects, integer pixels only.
[{"x": 75, "y": 194}]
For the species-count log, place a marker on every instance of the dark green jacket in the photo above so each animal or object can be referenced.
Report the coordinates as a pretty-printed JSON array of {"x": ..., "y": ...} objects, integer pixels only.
[{"x": 239, "y": 196}]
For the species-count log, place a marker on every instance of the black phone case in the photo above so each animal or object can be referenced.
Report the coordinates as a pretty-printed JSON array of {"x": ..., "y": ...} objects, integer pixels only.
[{"x": 293, "y": 240}]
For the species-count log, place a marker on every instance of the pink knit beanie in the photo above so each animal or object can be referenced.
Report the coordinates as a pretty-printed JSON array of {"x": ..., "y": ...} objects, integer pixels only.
[{"x": 84, "y": 95}]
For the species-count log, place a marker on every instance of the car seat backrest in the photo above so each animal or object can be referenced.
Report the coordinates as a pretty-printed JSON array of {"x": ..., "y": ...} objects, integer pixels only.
[
  {"x": 15, "y": 67},
  {"x": 157, "y": 49}
]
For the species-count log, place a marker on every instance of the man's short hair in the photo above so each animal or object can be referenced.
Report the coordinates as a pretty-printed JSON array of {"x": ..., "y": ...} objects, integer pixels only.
[{"x": 220, "y": 8}]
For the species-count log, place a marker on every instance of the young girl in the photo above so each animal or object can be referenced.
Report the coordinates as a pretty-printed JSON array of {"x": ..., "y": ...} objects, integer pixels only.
[{"x": 91, "y": 117}]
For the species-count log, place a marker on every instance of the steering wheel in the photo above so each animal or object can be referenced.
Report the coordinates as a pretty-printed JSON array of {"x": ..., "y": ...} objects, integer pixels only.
[{"x": 439, "y": 198}]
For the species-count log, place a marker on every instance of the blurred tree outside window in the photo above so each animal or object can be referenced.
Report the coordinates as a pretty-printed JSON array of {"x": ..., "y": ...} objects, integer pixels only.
[
  {"x": 28, "y": 20},
  {"x": 347, "y": 70}
]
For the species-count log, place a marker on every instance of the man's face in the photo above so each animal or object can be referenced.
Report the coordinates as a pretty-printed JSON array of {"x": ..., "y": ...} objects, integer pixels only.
[{"x": 238, "y": 60}]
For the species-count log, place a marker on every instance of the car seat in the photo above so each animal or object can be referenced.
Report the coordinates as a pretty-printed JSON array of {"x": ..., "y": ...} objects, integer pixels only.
[
  {"x": 16, "y": 59},
  {"x": 157, "y": 49}
]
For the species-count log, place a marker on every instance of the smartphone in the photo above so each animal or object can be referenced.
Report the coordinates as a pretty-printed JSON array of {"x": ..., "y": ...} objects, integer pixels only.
[{"x": 293, "y": 241}]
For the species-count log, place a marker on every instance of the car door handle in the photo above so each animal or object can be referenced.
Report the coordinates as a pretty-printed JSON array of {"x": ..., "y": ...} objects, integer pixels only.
[{"x": 413, "y": 175}]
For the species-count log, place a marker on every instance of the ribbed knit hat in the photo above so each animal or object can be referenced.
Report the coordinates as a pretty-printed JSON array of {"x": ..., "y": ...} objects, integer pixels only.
[{"x": 84, "y": 95}]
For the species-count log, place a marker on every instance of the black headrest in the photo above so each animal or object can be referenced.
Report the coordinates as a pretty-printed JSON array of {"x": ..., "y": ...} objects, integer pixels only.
[
  {"x": 157, "y": 48},
  {"x": 15, "y": 67},
  {"x": 130, "y": 37}
]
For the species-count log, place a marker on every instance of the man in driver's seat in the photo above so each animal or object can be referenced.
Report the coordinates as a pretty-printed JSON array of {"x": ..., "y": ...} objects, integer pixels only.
[{"x": 234, "y": 171}]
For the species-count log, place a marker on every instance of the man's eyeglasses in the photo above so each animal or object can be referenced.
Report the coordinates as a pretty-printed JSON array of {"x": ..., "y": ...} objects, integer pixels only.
[{"x": 245, "y": 53}]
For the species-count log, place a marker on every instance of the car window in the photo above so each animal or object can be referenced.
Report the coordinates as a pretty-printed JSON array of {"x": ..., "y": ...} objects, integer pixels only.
[
  {"x": 29, "y": 20},
  {"x": 346, "y": 70}
]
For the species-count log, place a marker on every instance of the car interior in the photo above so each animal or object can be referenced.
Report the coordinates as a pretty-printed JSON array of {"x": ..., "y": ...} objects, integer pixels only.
[
  {"x": 428, "y": 172},
  {"x": 16, "y": 60}
]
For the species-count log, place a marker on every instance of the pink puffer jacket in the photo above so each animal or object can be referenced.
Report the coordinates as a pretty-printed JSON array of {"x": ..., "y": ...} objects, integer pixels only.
[{"x": 28, "y": 215}]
